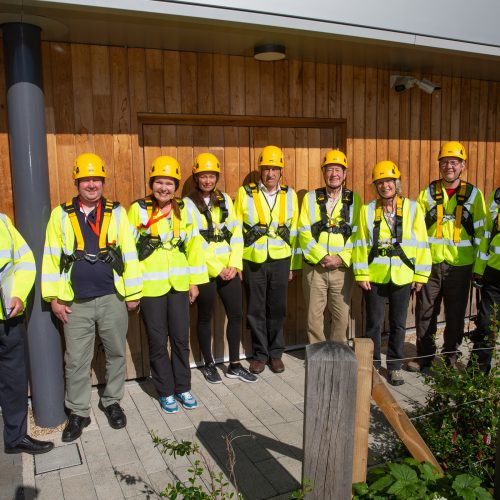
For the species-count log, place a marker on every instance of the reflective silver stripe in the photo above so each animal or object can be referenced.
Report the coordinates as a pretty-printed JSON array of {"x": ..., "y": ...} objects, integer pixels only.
[
  {"x": 312, "y": 207},
  {"x": 259, "y": 246},
  {"x": 354, "y": 229},
  {"x": 128, "y": 256},
  {"x": 485, "y": 256},
  {"x": 310, "y": 245},
  {"x": 197, "y": 269},
  {"x": 25, "y": 266},
  {"x": 237, "y": 240},
  {"x": 64, "y": 215},
  {"x": 48, "y": 278},
  {"x": 479, "y": 223},
  {"x": 487, "y": 234},
  {"x": 5, "y": 254},
  {"x": 387, "y": 261},
  {"x": 495, "y": 250},
  {"x": 222, "y": 250},
  {"x": 360, "y": 243},
  {"x": 293, "y": 232},
  {"x": 297, "y": 251},
  {"x": 422, "y": 268},
  {"x": 360, "y": 265},
  {"x": 304, "y": 228},
  {"x": 22, "y": 250},
  {"x": 117, "y": 213},
  {"x": 332, "y": 248},
  {"x": 52, "y": 251},
  {"x": 131, "y": 282},
  {"x": 230, "y": 225},
  {"x": 461, "y": 243},
  {"x": 477, "y": 241}
]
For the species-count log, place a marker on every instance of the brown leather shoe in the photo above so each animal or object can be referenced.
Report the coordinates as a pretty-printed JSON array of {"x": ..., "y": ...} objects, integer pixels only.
[
  {"x": 257, "y": 366},
  {"x": 277, "y": 365}
]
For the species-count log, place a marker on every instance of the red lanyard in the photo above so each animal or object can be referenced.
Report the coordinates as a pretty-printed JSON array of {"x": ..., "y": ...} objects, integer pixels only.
[
  {"x": 154, "y": 219},
  {"x": 95, "y": 227}
]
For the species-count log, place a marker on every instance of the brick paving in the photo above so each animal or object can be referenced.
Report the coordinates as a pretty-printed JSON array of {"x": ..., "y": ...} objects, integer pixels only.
[{"x": 266, "y": 418}]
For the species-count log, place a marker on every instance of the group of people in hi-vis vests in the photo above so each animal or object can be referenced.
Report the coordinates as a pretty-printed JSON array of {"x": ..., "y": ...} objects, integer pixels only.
[{"x": 167, "y": 253}]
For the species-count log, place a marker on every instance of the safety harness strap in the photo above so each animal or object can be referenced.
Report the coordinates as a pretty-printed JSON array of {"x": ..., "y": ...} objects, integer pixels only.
[
  {"x": 462, "y": 215},
  {"x": 396, "y": 249},
  {"x": 324, "y": 223},
  {"x": 69, "y": 208}
]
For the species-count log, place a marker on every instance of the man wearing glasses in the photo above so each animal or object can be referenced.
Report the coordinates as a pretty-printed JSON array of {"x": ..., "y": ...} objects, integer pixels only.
[{"x": 454, "y": 215}]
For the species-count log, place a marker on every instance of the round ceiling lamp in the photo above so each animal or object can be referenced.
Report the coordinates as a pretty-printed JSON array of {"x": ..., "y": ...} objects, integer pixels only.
[{"x": 269, "y": 52}]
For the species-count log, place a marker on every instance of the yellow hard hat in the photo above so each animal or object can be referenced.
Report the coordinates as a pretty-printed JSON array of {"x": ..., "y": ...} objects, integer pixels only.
[
  {"x": 165, "y": 166},
  {"x": 452, "y": 148},
  {"x": 206, "y": 162},
  {"x": 334, "y": 157},
  {"x": 385, "y": 169},
  {"x": 88, "y": 165},
  {"x": 271, "y": 156}
]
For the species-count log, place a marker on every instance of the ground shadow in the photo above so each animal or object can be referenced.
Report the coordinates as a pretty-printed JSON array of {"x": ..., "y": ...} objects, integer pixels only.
[{"x": 258, "y": 470}]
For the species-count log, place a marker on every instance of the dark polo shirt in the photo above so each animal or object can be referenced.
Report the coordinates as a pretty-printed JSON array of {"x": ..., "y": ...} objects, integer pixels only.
[{"x": 88, "y": 279}]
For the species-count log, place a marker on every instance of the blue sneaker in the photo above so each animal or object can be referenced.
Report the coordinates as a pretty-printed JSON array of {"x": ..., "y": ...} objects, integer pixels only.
[
  {"x": 187, "y": 400},
  {"x": 168, "y": 404}
]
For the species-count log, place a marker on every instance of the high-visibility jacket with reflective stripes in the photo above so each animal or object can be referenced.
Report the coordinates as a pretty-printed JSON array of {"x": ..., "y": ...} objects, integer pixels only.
[
  {"x": 222, "y": 254},
  {"x": 60, "y": 238},
  {"x": 270, "y": 245},
  {"x": 14, "y": 251},
  {"x": 445, "y": 249},
  {"x": 385, "y": 269},
  {"x": 489, "y": 249},
  {"x": 168, "y": 266},
  {"x": 328, "y": 243}
]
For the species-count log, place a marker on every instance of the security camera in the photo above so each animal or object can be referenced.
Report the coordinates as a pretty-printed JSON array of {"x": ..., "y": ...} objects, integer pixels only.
[
  {"x": 402, "y": 83},
  {"x": 427, "y": 86}
]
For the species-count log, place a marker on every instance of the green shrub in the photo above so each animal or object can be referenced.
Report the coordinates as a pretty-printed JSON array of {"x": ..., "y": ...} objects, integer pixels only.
[{"x": 410, "y": 480}]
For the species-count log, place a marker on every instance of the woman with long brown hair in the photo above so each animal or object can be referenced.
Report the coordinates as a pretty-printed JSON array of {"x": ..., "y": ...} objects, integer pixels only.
[{"x": 223, "y": 247}]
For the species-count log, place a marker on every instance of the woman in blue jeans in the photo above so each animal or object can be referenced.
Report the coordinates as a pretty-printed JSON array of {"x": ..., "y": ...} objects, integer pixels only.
[{"x": 391, "y": 257}]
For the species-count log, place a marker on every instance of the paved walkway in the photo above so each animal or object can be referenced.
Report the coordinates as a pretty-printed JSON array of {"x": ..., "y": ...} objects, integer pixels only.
[{"x": 266, "y": 419}]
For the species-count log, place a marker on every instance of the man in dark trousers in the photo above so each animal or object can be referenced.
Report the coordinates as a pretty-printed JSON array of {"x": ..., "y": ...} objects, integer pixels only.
[{"x": 17, "y": 275}]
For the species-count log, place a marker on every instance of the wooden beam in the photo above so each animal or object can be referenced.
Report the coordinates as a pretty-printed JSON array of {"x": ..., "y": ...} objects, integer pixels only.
[
  {"x": 363, "y": 349},
  {"x": 401, "y": 423},
  {"x": 236, "y": 120}
]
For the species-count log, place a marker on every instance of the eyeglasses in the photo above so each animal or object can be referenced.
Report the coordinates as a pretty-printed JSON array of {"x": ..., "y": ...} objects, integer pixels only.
[{"x": 451, "y": 163}]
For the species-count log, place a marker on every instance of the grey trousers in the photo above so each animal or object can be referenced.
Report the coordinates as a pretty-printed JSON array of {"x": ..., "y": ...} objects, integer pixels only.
[{"x": 109, "y": 314}]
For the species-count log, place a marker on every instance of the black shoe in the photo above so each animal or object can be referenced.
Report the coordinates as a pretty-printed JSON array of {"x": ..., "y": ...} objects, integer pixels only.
[
  {"x": 31, "y": 445},
  {"x": 211, "y": 374},
  {"x": 237, "y": 371},
  {"x": 74, "y": 427},
  {"x": 116, "y": 417}
]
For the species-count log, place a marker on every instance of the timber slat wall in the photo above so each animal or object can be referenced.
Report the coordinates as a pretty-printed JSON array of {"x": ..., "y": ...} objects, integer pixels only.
[{"x": 95, "y": 95}]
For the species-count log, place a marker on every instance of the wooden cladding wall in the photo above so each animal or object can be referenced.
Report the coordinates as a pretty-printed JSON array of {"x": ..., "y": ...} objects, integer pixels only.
[{"x": 98, "y": 99}]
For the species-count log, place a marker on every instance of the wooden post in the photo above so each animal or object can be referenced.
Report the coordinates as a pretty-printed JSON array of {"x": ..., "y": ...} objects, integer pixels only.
[
  {"x": 329, "y": 414},
  {"x": 363, "y": 349},
  {"x": 401, "y": 423}
]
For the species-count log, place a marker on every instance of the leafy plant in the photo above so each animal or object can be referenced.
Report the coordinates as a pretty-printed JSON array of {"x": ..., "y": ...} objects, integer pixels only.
[
  {"x": 194, "y": 488},
  {"x": 411, "y": 480},
  {"x": 460, "y": 420}
]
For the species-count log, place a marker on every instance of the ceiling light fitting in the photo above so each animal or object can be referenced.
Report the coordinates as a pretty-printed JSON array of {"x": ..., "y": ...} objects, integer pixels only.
[{"x": 269, "y": 52}]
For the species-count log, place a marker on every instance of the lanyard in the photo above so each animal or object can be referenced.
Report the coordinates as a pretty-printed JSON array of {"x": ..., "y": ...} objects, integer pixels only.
[
  {"x": 154, "y": 219},
  {"x": 95, "y": 227}
]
